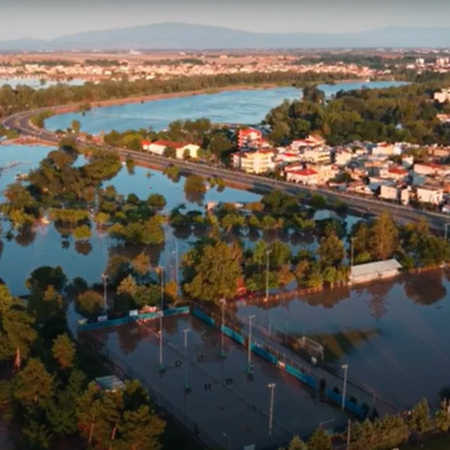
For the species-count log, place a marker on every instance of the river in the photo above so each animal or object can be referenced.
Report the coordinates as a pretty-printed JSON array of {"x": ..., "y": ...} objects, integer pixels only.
[{"x": 247, "y": 106}]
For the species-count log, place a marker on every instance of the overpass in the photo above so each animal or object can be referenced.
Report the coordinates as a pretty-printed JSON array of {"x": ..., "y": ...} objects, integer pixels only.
[{"x": 21, "y": 123}]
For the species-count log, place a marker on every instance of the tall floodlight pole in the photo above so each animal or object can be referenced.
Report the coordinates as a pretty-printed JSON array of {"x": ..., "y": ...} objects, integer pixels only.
[
  {"x": 186, "y": 385},
  {"x": 225, "y": 435},
  {"x": 161, "y": 314},
  {"x": 176, "y": 261},
  {"x": 271, "y": 386},
  {"x": 249, "y": 350},
  {"x": 344, "y": 390},
  {"x": 222, "y": 342},
  {"x": 105, "y": 298},
  {"x": 352, "y": 249},
  {"x": 268, "y": 252}
]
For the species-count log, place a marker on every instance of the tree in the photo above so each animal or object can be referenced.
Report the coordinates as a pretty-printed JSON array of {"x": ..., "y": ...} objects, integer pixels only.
[
  {"x": 219, "y": 144},
  {"x": 122, "y": 418},
  {"x": 90, "y": 303},
  {"x": 76, "y": 126},
  {"x": 82, "y": 233},
  {"x": 6, "y": 299},
  {"x": 319, "y": 440},
  {"x": 186, "y": 154},
  {"x": 141, "y": 264},
  {"x": 331, "y": 250},
  {"x": 313, "y": 94},
  {"x": 170, "y": 152},
  {"x": 156, "y": 201},
  {"x": 46, "y": 276},
  {"x": 33, "y": 385},
  {"x": 296, "y": 444},
  {"x": 419, "y": 420},
  {"x": 63, "y": 350},
  {"x": 212, "y": 271},
  {"x": 383, "y": 237},
  {"x": 20, "y": 334}
]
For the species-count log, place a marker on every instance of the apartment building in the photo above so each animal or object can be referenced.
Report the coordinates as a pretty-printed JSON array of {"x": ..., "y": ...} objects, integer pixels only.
[
  {"x": 319, "y": 155},
  {"x": 307, "y": 177},
  {"x": 256, "y": 161},
  {"x": 394, "y": 193},
  {"x": 249, "y": 138}
]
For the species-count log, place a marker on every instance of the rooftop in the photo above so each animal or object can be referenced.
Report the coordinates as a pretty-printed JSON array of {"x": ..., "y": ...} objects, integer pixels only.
[{"x": 379, "y": 267}]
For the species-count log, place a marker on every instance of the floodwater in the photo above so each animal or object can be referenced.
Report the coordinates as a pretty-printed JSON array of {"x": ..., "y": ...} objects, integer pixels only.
[
  {"x": 235, "y": 410},
  {"x": 248, "y": 107},
  {"x": 393, "y": 335}
]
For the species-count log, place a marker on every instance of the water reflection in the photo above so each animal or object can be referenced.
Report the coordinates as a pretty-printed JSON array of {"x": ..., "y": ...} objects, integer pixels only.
[
  {"x": 83, "y": 247},
  {"x": 426, "y": 289}
]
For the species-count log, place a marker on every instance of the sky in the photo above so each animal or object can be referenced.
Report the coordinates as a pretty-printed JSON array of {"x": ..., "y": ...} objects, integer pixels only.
[{"x": 46, "y": 19}]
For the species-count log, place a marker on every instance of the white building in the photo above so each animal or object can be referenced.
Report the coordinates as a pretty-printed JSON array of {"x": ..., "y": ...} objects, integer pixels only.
[
  {"x": 318, "y": 155},
  {"x": 442, "y": 96},
  {"x": 395, "y": 194},
  {"x": 181, "y": 149},
  {"x": 308, "y": 177},
  {"x": 430, "y": 194},
  {"x": 258, "y": 161},
  {"x": 343, "y": 157},
  {"x": 381, "y": 270}
]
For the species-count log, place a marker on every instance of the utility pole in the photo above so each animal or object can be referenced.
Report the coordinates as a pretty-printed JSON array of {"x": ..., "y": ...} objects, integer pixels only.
[
  {"x": 349, "y": 431},
  {"x": 344, "y": 391},
  {"x": 351, "y": 258},
  {"x": 225, "y": 435},
  {"x": 249, "y": 350},
  {"x": 268, "y": 252},
  {"x": 222, "y": 342},
  {"x": 176, "y": 261},
  {"x": 271, "y": 386},
  {"x": 161, "y": 314},
  {"x": 105, "y": 298},
  {"x": 186, "y": 382}
]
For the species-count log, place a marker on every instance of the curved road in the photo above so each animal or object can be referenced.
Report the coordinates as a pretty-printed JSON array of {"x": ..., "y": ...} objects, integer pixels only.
[{"x": 21, "y": 122}]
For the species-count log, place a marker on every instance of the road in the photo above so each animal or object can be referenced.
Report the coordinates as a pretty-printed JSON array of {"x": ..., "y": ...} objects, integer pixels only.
[{"x": 21, "y": 122}]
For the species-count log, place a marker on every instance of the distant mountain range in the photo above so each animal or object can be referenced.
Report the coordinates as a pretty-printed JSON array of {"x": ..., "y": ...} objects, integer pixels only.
[{"x": 181, "y": 36}]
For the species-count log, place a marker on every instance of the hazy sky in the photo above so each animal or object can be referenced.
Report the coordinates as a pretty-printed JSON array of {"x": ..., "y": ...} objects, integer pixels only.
[{"x": 51, "y": 18}]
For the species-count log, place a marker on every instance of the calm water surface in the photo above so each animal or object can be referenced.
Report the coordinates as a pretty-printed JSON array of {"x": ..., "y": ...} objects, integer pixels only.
[{"x": 226, "y": 107}]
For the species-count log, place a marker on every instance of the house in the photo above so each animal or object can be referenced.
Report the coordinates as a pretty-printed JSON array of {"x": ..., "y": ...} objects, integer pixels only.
[
  {"x": 249, "y": 138},
  {"x": 343, "y": 157},
  {"x": 379, "y": 270},
  {"x": 431, "y": 169},
  {"x": 442, "y": 96},
  {"x": 325, "y": 172},
  {"x": 308, "y": 177},
  {"x": 395, "y": 193},
  {"x": 430, "y": 194},
  {"x": 181, "y": 149},
  {"x": 394, "y": 173},
  {"x": 311, "y": 141},
  {"x": 383, "y": 149},
  {"x": 318, "y": 155},
  {"x": 255, "y": 161}
]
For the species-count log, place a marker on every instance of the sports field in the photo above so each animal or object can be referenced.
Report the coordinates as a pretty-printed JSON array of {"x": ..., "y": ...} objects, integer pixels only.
[{"x": 223, "y": 406}]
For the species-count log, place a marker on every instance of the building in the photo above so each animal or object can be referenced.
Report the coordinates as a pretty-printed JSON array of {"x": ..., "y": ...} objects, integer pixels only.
[
  {"x": 395, "y": 194},
  {"x": 308, "y": 177},
  {"x": 256, "y": 161},
  {"x": 380, "y": 270},
  {"x": 318, "y": 155},
  {"x": 342, "y": 157},
  {"x": 310, "y": 141},
  {"x": 430, "y": 194},
  {"x": 430, "y": 169},
  {"x": 249, "y": 138},
  {"x": 442, "y": 96},
  {"x": 394, "y": 173},
  {"x": 383, "y": 149},
  {"x": 181, "y": 149}
]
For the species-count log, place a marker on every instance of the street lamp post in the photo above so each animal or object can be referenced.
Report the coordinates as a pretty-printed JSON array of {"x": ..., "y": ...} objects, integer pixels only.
[
  {"x": 222, "y": 342},
  {"x": 225, "y": 435},
  {"x": 105, "y": 298},
  {"x": 161, "y": 314},
  {"x": 344, "y": 390},
  {"x": 271, "y": 386},
  {"x": 268, "y": 252},
  {"x": 186, "y": 383},
  {"x": 249, "y": 350},
  {"x": 352, "y": 240}
]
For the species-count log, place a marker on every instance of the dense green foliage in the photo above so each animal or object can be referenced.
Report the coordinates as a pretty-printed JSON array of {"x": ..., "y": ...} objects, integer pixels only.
[
  {"x": 400, "y": 114},
  {"x": 48, "y": 396},
  {"x": 24, "y": 97}
]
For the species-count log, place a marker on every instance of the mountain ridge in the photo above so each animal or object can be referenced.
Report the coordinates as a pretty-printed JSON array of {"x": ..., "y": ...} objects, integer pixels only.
[{"x": 183, "y": 36}]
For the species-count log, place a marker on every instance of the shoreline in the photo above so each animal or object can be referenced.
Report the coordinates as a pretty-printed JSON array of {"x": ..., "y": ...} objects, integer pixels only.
[{"x": 58, "y": 110}]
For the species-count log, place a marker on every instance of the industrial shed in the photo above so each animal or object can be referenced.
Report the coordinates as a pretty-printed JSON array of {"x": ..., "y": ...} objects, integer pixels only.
[{"x": 380, "y": 270}]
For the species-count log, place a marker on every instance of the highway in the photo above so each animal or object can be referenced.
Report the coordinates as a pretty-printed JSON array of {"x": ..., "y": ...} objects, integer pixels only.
[{"x": 21, "y": 122}]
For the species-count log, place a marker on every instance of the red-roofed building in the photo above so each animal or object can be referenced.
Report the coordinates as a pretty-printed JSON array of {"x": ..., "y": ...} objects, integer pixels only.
[
  {"x": 249, "y": 138},
  {"x": 394, "y": 173},
  {"x": 303, "y": 176},
  {"x": 158, "y": 148}
]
